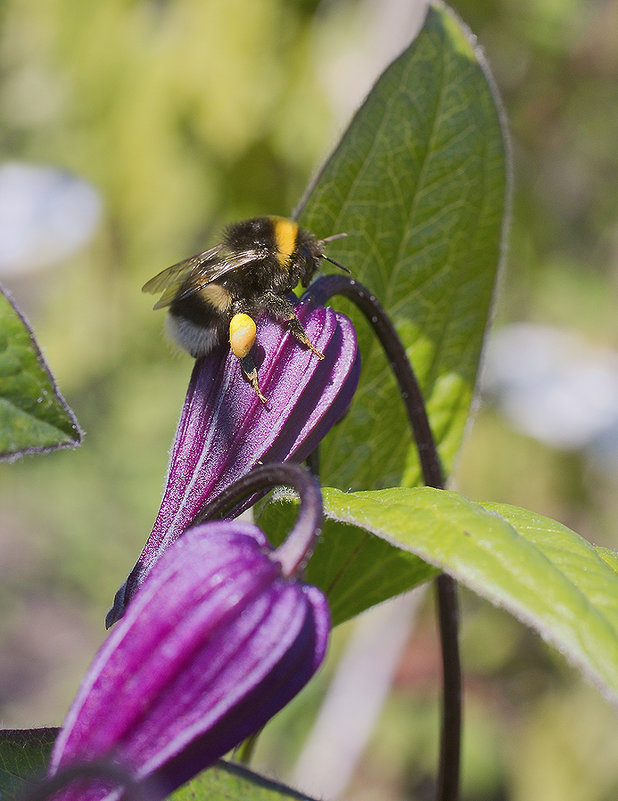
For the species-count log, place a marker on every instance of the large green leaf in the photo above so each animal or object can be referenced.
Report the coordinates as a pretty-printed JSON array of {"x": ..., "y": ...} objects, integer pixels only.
[
  {"x": 33, "y": 415},
  {"x": 23, "y": 755},
  {"x": 536, "y": 568},
  {"x": 354, "y": 568},
  {"x": 418, "y": 182}
]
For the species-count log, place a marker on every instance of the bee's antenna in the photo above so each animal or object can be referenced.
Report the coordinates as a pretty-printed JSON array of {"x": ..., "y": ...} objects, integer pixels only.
[
  {"x": 336, "y": 263},
  {"x": 331, "y": 238},
  {"x": 328, "y": 258}
]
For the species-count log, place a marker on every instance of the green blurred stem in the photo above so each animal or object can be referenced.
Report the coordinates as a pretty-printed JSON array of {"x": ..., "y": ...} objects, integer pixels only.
[
  {"x": 446, "y": 590},
  {"x": 244, "y": 752}
]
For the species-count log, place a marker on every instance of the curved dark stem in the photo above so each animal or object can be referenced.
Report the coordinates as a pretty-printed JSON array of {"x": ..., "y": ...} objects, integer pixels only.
[
  {"x": 446, "y": 590},
  {"x": 324, "y": 289},
  {"x": 99, "y": 770},
  {"x": 294, "y": 553}
]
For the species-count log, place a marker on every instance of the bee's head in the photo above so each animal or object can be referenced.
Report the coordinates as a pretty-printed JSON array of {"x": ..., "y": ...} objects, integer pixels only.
[
  {"x": 309, "y": 262},
  {"x": 310, "y": 253}
]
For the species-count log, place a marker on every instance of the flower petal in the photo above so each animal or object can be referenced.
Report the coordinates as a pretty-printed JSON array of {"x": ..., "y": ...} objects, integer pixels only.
[
  {"x": 214, "y": 643},
  {"x": 224, "y": 429}
]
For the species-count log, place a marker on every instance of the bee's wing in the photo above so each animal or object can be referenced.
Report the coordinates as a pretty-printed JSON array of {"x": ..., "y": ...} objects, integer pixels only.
[
  {"x": 203, "y": 268},
  {"x": 170, "y": 280}
]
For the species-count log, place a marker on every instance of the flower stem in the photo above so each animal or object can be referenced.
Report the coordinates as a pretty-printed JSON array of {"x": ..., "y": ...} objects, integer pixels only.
[
  {"x": 446, "y": 590},
  {"x": 295, "y": 551},
  {"x": 324, "y": 289},
  {"x": 450, "y": 734}
]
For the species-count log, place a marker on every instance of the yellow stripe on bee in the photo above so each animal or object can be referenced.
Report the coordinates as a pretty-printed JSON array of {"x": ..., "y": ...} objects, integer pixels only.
[
  {"x": 286, "y": 234},
  {"x": 216, "y": 296},
  {"x": 242, "y": 335}
]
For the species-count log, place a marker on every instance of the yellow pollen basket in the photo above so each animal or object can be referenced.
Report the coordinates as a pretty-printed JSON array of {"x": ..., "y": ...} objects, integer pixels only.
[
  {"x": 242, "y": 335},
  {"x": 286, "y": 234}
]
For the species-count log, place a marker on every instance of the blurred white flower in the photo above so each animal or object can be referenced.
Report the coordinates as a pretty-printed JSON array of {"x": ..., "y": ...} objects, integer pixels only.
[
  {"x": 555, "y": 387},
  {"x": 46, "y": 214}
]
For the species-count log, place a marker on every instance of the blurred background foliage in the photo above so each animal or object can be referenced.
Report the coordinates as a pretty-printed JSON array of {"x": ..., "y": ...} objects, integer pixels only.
[{"x": 184, "y": 115}]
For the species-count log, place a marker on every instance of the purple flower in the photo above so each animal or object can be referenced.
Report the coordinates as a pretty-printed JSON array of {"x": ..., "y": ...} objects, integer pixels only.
[
  {"x": 224, "y": 429},
  {"x": 216, "y": 641}
]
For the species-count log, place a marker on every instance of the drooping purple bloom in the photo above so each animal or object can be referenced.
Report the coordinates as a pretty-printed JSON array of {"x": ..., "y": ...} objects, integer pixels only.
[
  {"x": 214, "y": 643},
  {"x": 224, "y": 429}
]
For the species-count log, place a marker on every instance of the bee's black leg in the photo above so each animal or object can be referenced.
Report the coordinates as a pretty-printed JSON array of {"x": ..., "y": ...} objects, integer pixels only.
[
  {"x": 242, "y": 338},
  {"x": 250, "y": 371},
  {"x": 282, "y": 310},
  {"x": 298, "y": 331}
]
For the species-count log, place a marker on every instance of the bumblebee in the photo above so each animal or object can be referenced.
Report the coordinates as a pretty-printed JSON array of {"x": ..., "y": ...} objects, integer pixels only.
[{"x": 218, "y": 294}]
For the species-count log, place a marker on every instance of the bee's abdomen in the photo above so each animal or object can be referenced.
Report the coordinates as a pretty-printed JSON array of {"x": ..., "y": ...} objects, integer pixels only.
[{"x": 199, "y": 321}]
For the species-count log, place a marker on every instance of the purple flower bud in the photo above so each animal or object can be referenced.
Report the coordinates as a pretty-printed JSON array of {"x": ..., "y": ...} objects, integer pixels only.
[
  {"x": 224, "y": 429},
  {"x": 215, "y": 642}
]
